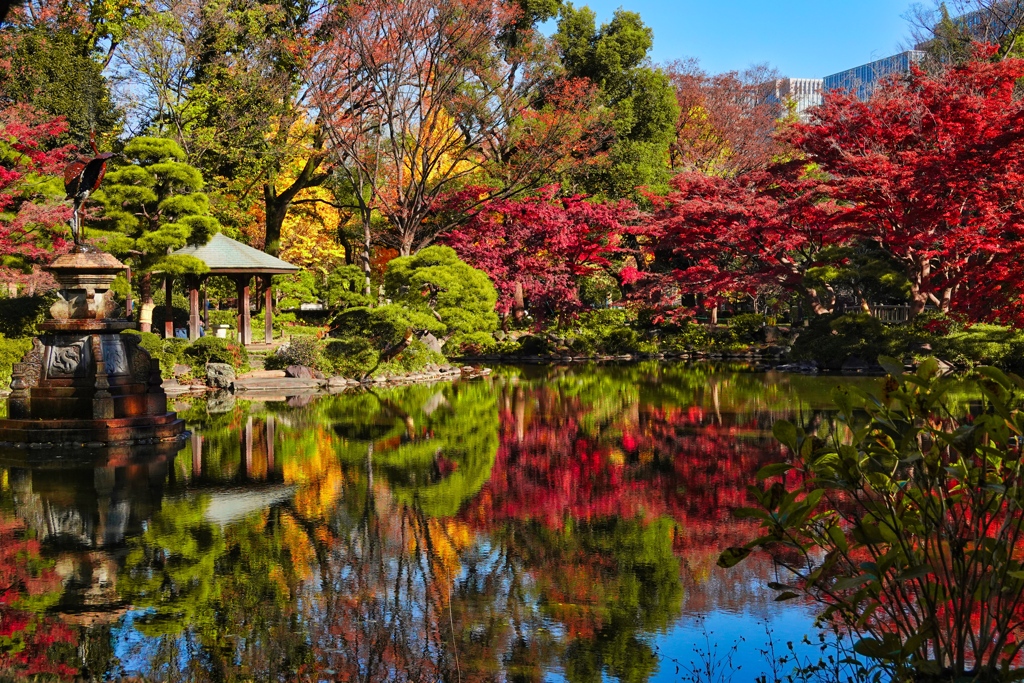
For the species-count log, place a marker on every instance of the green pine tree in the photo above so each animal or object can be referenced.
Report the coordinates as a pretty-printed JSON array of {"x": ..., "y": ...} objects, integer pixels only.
[
  {"x": 154, "y": 204},
  {"x": 615, "y": 57}
]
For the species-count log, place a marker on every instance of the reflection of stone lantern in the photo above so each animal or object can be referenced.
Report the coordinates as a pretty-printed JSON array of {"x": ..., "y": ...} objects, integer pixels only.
[{"x": 84, "y": 514}]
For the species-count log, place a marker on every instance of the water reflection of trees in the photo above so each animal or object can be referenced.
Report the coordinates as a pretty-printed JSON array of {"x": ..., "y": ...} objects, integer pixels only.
[{"x": 478, "y": 531}]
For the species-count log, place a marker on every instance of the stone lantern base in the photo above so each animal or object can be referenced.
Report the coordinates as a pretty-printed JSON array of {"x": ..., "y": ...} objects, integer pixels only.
[{"x": 83, "y": 383}]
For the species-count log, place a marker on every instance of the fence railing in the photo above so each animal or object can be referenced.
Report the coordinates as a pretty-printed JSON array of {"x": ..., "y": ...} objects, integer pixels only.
[{"x": 896, "y": 315}]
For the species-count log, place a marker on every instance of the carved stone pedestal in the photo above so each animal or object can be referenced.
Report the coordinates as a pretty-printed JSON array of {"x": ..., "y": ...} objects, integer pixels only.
[{"x": 83, "y": 383}]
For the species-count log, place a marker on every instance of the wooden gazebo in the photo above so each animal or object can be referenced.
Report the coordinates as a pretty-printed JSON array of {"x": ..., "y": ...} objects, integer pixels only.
[{"x": 240, "y": 262}]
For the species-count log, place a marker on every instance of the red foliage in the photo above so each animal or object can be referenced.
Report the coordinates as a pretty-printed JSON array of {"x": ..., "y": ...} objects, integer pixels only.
[
  {"x": 543, "y": 243},
  {"x": 932, "y": 170},
  {"x": 657, "y": 461},
  {"x": 727, "y": 122},
  {"x": 737, "y": 235},
  {"x": 30, "y": 223},
  {"x": 27, "y": 639}
]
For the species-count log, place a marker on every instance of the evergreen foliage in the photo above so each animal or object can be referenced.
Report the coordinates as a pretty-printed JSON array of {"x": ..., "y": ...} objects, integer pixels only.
[
  {"x": 615, "y": 58},
  {"x": 154, "y": 204},
  {"x": 48, "y": 70}
]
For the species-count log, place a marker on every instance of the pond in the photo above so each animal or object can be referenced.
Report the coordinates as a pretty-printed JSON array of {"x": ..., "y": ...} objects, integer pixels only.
[{"x": 544, "y": 524}]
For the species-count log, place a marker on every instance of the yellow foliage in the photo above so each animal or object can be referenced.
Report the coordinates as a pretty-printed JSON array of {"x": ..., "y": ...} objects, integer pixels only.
[
  {"x": 310, "y": 229},
  {"x": 319, "y": 478}
]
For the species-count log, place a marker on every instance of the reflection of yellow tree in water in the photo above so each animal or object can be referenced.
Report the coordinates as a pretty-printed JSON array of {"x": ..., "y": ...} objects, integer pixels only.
[{"x": 224, "y": 597}]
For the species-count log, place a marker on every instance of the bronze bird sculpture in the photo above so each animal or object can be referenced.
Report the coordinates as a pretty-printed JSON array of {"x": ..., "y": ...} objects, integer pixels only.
[{"x": 82, "y": 177}]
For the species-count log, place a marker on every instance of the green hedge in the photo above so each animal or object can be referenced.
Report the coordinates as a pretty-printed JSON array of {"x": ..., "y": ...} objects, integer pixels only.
[
  {"x": 306, "y": 351},
  {"x": 197, "y": 354},
  {"x": 20, "y": 316},
  {"x": 11, "y": 352}
]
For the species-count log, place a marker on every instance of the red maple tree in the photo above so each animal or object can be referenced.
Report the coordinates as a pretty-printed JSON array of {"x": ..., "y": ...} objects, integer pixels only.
[
  {"x": 931, "y": 169},
  {"x": 714, "y": 236},
  {"x": 32, "y": 219},
  {"x": 542, "y": 244}
]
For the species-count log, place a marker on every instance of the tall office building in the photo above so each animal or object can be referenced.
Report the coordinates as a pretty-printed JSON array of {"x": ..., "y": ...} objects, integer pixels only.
[
  {"x": 863, "y": 80},
  {"x": 803, "y": 92}
]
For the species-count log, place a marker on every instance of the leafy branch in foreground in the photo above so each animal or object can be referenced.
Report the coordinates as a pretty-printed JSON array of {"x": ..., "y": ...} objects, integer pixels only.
[{"x": 906, "y": 523}]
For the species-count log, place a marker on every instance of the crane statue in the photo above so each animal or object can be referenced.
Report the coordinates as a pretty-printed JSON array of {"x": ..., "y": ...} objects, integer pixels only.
[{"x": 82, "y": 177}]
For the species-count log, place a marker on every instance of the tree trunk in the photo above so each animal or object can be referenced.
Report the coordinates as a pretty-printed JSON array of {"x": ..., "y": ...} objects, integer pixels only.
[
  {"x": 146, "y": 295},
  {"x": 918, "y": 295},
  {"x": 277, "y": 211},
  {"x": 918, "y": 301},
  {"x": 819, "y": 307},
  {"x": 276, "y": 203},
  {"x": 519, "y": 303},
  {"x": 364, "y": 257},
  {"x": 405, "y": 246}
]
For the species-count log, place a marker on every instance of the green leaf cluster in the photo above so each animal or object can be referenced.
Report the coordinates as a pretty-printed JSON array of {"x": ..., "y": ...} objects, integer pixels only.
[
  {"x": 615, "y": 58},
  {"x": 435, "y": 282},
  {"x": 905, "y": 523},
  {"x": 154, "y": 204},
  {"x": 430, "y": 292},
  {"x": 52, "y": 71}
]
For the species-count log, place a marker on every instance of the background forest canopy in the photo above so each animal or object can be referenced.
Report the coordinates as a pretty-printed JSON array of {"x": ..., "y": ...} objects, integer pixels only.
[{"x": 568, "y": 167}]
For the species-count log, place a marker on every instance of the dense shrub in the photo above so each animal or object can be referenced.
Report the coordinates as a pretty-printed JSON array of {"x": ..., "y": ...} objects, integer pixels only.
[
  {"x": 748, "y": 327},
  {"x": 384, "y": 326},
  {"x": 303, "y": 330},
  {"x": 167, "y": 351},
  {"x": 19, "y": 316},
  {"x": 305, "y": 350},
  {"x": 11, "y": 352},
  {"x": 215, "y": 350},
  {"x": 831, "y": 340},
  {"x": 350, "y": 357},
  {"x": 598, "y": 289},
  {"x": 435, "y": 283},
  {"x": 358, "y": 357},
  {"x": 979, "y": 345},
  {"x": 474, "y": 344},
  {"x": 534, "y": 345},
  {"x": 688, "y": 336},
  {"x": 413, "y": 359},
  {"x": 910, "y": 506},
  {"x": 601, "y": 331}
]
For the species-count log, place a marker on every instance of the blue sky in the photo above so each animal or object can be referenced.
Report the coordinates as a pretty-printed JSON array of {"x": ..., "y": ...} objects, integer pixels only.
[{"x": 802, "y": 38}]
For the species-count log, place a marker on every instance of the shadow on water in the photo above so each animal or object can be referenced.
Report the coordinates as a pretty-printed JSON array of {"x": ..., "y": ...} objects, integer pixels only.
[{"x": 546, "y": 524}]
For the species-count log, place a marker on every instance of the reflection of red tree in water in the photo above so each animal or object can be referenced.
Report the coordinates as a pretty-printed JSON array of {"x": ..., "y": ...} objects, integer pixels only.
[
  {"x": 646, "y": 463},
  {"x": 30, "y": 644},
  {"x": 618, "y": 518}
]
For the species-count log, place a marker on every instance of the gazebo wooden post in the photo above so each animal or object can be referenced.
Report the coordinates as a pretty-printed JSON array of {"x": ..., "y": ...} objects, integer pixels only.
[
  {"x": 268, "y": 310},
  {"x": 169, "y": 306},
  {"x": 244, "y": 317},
  {"x": 193, "y": 307},
  {"x": 206, "y": 309}
]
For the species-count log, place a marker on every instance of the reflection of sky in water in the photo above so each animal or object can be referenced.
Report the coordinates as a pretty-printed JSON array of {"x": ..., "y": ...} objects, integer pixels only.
[{"x": 558, "y": 495}]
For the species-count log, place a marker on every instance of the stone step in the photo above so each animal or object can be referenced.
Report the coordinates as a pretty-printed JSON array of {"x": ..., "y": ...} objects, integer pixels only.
[
  {"x": 263, "y": 374},
  {"x": 277, "y": 384}
]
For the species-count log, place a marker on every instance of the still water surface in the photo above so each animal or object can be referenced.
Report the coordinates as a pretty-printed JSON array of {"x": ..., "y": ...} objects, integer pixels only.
[{"x": 545, "y": 524}]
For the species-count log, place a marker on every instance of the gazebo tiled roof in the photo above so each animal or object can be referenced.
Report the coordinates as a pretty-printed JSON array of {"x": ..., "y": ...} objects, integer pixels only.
[
  {"x": 240, "y": 262},
  {"x": 226, "y": 256}
]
